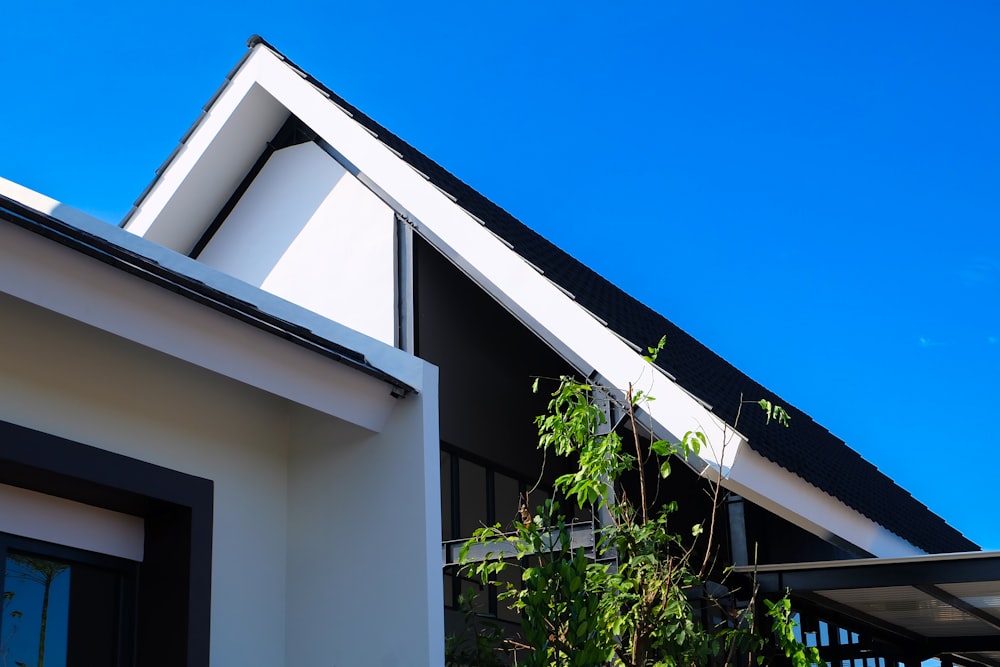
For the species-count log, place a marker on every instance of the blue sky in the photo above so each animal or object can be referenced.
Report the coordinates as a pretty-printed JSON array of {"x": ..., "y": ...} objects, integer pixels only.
[{"x": 810, "y": 189}]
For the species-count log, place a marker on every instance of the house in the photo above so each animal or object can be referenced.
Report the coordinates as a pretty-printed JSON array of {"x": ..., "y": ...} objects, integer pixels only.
[{"x": 308, "y": 351}]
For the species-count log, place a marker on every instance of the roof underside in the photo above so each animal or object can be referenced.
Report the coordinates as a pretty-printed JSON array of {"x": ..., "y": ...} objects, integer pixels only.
[
  {"x": 921, "y": 607},
  {"x": 807, "y": 450}
]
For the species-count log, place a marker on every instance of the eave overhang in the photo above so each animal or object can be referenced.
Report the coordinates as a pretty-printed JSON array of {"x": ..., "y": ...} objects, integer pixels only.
[
  {"x": 138, "y": 265},
  {"x": 198, "y": 315},
  {"x": 932, "y": 605}
]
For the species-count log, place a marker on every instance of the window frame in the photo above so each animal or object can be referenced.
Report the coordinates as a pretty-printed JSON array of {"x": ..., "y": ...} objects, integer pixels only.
[
  {"x": 126, "y": 569},
  {"x": 173, "y": 601}
]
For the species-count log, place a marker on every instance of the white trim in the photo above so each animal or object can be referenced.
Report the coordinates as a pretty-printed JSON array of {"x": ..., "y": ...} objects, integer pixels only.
[
  {"x": 47, "y": 205},
  {"x": 392, "y": 361},
  {"x": 794, "y": 499},
  {"x": 43, "y": 517},
  {"x": 217, "y": 155},
  {"x": 533, "y": 298}
]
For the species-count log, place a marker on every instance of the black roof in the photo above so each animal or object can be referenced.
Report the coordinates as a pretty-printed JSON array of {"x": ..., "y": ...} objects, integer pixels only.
[{"x": 808, "y": 449}]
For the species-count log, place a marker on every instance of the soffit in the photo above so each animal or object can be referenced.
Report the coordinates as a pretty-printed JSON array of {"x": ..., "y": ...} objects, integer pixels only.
[{"x": 926, "y": 605}]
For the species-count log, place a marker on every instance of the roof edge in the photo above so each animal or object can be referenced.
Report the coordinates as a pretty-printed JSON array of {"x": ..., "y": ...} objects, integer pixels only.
[{"x": 129, "y": 260}]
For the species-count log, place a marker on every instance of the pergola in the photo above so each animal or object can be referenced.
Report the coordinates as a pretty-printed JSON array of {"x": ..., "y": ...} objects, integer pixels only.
[{"x": 894, "y": 611}]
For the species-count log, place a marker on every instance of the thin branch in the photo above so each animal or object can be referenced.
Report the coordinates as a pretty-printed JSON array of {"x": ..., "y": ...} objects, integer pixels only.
[{"x": 638, "y": 455}]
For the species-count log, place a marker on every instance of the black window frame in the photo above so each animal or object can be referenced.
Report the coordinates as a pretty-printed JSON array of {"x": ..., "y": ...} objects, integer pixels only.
[
  {"x": 174, "y": 599},
  {"x": 451, "y": 526},
  {"x": 127, "y": 570}
]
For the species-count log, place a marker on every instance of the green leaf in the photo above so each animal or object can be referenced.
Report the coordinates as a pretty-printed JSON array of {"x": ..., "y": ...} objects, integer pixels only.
[{"x": 663, "y": 447}]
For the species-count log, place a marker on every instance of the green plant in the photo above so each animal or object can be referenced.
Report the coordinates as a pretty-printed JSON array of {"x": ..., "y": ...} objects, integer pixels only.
[
  {"x": 655, "y": 604},
  {"x": 475, "y": 645},
  {"x": 780, "y": 613}
]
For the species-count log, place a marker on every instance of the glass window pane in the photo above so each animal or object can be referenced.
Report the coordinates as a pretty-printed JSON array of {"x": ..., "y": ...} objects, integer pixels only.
[
  {"x": 446, "y": 532},
  {"x": 94, "y": 612},
  {"x": 480, "y": 601},
  {"x": 506, "y": 499},
  {"x": 472, "y": 494},
  {"x": 449, "y": 590},
  {"x": 36, "y": 604},
  {"x": 536, "y": 499},
  {"x": 510, "y": 575}
]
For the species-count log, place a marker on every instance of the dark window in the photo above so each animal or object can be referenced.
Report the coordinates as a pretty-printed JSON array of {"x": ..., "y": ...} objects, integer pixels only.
[
  {"x": 474, "y": 494},
  {"x": 65, "y": 607}
]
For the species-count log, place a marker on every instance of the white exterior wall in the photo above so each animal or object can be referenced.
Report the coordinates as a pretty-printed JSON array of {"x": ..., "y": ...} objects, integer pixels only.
[
  {"x": 365, "y": 523},
  {"x": 73, "y": 381},
  {"x": 323, "y": 530},
  {"x": 292, "y": 441},
  {"x": 308, "y": 231}
]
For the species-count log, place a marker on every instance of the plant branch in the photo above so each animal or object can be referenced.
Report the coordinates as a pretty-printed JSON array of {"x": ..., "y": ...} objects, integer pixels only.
[{"x": 638, "y": 455}]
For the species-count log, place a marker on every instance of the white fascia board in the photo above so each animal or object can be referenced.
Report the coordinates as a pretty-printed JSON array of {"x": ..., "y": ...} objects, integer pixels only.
[
  {"x": 518, "y": 286},
  {"x": 205, "y": 170},
  {"x": 37, "y": 270},
  {"x": 46, "y": 205},
  {"x": 796, "y": 500}
]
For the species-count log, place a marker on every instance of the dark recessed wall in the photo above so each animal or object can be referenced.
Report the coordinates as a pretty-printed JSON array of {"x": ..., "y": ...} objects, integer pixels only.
[
  {"x": 779, "y": 541},
  {"x": 487, "y": 360}
]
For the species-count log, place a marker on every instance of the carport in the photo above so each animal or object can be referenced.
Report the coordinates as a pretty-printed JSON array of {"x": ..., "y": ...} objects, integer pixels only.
[{"x": 894, "y": 611}]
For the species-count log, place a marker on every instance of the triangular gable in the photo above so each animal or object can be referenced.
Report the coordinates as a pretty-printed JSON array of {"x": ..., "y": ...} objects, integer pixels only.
[{"x": 594, "y": 326}]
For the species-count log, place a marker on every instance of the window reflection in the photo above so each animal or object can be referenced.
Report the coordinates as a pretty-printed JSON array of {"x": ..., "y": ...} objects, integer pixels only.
[
  {"x": 35, "y": 611},
  {"x": 64, "y": 608}
]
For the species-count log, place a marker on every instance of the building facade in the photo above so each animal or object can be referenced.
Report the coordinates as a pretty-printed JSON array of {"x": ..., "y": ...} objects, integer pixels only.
[{"x": 308, "y": 353}]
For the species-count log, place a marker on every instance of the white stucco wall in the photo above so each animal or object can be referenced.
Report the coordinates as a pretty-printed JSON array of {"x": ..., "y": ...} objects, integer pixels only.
[
  {"x": 315, "y": 519},
  {"x": 365, "y": 523},
  {"x": 98, "y": 356},
  {"x": 310, "y": 232},
  {"x": 76, "y": 382}
]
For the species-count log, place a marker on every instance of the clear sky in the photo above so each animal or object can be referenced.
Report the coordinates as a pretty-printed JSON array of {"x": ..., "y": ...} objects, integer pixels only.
[{"x": 810, "y": 189}]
